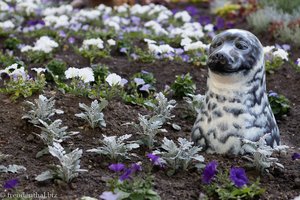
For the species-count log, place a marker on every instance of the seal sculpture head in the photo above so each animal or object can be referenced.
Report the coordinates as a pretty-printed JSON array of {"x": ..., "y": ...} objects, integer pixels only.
[{"x": 236, "y": 105}]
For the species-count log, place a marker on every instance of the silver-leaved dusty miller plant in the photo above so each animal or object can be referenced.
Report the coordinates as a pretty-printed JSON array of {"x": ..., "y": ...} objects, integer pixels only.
[
  {"x": 42, "y": 109},
  {"x": 12, "y": 168},
  {"x": 116, "y": 148},
  {"x": 262, "y": 153},
  {"x": 179, "y": 156},
  {"x": 164, "y": 107},
  {"x": 148, "y": 128},
  {"x": 69, "y": 167},
  {"x": 195, "y": 102},
  {"x": 53, "y": 132},
  {"x": 93, "y": 114}
]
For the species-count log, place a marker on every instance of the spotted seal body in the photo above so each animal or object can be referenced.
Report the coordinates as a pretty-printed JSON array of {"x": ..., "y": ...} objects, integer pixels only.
[{"x": 236, "y": 104}]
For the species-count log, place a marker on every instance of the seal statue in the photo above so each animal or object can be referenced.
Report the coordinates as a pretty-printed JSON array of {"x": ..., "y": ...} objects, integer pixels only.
[{"x": 236, "y": 105}]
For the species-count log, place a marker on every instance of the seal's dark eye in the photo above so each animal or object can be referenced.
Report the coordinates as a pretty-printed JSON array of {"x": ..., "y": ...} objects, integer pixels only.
[
  {"x": 241, "y": 45},
  {"x": 217, "y": 43}
]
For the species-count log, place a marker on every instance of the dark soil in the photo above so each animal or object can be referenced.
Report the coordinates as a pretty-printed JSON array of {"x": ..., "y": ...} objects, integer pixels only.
[{"x": 17, "y": 139}]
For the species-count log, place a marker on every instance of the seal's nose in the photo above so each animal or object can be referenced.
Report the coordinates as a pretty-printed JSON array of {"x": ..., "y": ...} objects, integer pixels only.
[{"x": 219, "y": 62}]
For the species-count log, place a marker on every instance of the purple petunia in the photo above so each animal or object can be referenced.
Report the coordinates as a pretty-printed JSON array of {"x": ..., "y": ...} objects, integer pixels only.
[
  {"x": 272, "y": 94},
  {"x": 71, "y": 40},
  {"x": 155, "y": 159},
  {"x": 296, "y": 156},
  {"x": 139, "y": 81},
  {"x": 117, "y": 167},
  {"x": 126, "y": 175},
  {"x": 238, "y": 176},
  {"x": 209, "y": 172},
  {"x": 136, "y": 167},
  {"x": 11, "y": 184}
]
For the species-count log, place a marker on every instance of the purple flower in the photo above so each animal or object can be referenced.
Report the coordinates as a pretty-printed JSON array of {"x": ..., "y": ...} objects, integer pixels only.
[
  {"x": 145, "y": 88},
  {"x": 124, "y": 81},
  {"x": 136, "y": 167},
  {"x": 11, "y": 184},
  {"x": 185, "y": 58},
  {"x": 204, "y": 20},
  {"x": 123, "y": 50},
  {"x": 126, "y": 175},
  {"x": 139, "y": 81},
  {"x": 192, "y": 10},
  {"x": 135, "y": 20},
  {"x": 156, "y": 160},
  {"x": 220, "y": 23},
  {"x": 238, "y": 176},
  {"x": 62, "y": 34},
  {"x": 178, "y": 51},
  {"x": 145, "y": 72},
  {"x": 272, "y": 94},
  {"x": 209, "y": 172},
  {"x": 296, "y": 156},
  {"x": 117, "y": 167},
  {"x": 109, "y": 196},
  {"x": 71, "y": 40}
]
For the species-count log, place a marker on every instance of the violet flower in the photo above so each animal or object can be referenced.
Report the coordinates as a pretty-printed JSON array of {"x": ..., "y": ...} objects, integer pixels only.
[
  {"x": 139, "y": 81},
  {"x": 145, "y": 88},
  {"x": 155, "y": 159},
  {"x": 109, "y": 196},
  {"x": 209, "y": 172},
  {"x": 136, "y": 167},
  {"x": 192, "y": 10},
  {"x": 71, "y": 40},
  {"x": 204, "y": 20},
  {"x": 11, "y": 184},
  {"x": 62, "y": 34},
  {"x": 220, "y": 23},
  {"x": 296, "y": 156},
  {"x": 272, "y": 94},
  {"x": 126, "y": 175},
  {"x": 238, "y": 176},
  {"x": 117, "y": 167}
]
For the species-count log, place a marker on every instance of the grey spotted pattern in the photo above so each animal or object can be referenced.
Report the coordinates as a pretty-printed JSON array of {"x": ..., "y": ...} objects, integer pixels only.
[{"x": 236, "y": 105}]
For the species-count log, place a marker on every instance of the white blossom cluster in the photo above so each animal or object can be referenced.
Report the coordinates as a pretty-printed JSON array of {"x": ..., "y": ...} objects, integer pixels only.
[
  {"x": 272, "y": 51},
  {"x": 44, "y": 44},
  {"x": 85, "y": 74}
]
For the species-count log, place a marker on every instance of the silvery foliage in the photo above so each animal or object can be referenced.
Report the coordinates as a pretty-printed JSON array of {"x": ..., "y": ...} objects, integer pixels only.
[
  {"x": 93, "y": 114},
  {"x": 116, "y": 148},
  {"x": 163, "y": 108},
  {"x": 42, "y": 109},
  {"x": 3, "y": 156},
  {"x": 12, "y": 169},
  {"x": 53, "y": 132},
  {"x": 262, "y": 153},
  {"x": 179, "y": 156},
  {"x": 69, "y": 167},
  {"x": 195, "y": 102},
  {"x": 148, "y": 128}
]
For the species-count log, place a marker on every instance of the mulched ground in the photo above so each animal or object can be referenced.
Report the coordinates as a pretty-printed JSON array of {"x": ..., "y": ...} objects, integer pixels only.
[{"x": 16, "y": 136}]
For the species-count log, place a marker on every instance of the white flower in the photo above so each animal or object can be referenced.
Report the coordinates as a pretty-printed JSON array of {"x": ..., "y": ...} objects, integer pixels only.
[
  {"x": 114, "y": 79},
  {"x": 195, "y": 45},
  {"x": 88, "y": 198},
  {"x": 156, "y": 27},
  {"x": 7, "y": 25},
  {"x": 149, "y": 41},
  {"x": 26, "y": 48},
  {"x": 3, "y": 6},
  {"x": 45, "y": 44},
  {"x": 165, "y": 48},
  {"x": 153, "y": 48},
  {"x": 109, "y": 196},
  {"x": 38, "y": 70},
  {"x": 57, "y": 21},
  {"x": 268, "y": 49},
  {"x": 281, "y": 54},
  {"x": 86, "y": 74},
  {"x": 72, "y": 72},
  {"x": 93, "y": 42},
  {"x": 209, "y": 27},
  {"x": 111, "y": 42},
  {"x": 112, "y": 24},
  {"x": 185, "y": 41},
  {"x": 63, "y": 9},
  {"x": 183, "y": 15},
  {"x": 19, "y": 73}
]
